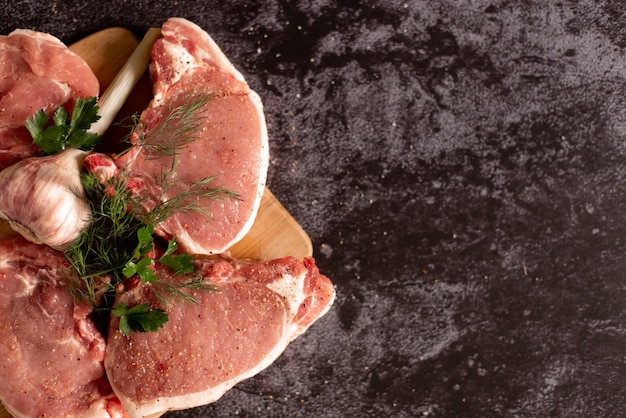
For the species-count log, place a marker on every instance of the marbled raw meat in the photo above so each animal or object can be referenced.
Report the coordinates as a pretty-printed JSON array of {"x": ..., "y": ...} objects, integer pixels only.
[
  {"x": 37, "y": 71},
  {"x": 52, "y": 354},
  {"x": 231, "y": 334},
  {"x": 232, "y": 141}
]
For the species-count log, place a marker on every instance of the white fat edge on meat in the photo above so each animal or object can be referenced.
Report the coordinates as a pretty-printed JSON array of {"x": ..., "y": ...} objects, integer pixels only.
[
  {"x": 180, "y": 64},
  {"x": 184, "y": 61},
  {"x": 50, "y": 40},
  {"x": 98, "y": 409},
  {"x": 42, "y": 36},
  {"x": 291, "y": 289},
  {"x": 258, "y": 194},
  {"x": 328, "y": 305},
  {"x": 265, "y": 160},
  {"x": 67, "y": 94},
  {"x": 213, "y": 53},
  {"x": 78, "y": 342},
  {"x": 12, "y": 411},
  {"x": 164, "y": 404},
  {"x": 191, "y": 400}
]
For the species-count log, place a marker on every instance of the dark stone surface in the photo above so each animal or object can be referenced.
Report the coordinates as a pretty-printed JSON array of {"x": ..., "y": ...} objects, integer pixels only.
[{"x": 459, "y": 166}]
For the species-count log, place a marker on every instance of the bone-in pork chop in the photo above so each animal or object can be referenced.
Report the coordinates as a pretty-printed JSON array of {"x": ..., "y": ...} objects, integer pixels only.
[
  {"x": 52, "y": 354},
  {"x": 38, "y": 72},
  {"x": 232, "y": 333},
  {"x": 229, "y": 141}
]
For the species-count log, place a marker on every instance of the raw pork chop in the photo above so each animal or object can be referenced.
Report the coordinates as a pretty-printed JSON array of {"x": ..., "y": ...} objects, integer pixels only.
[
  {"x": 231, "y": 141},
  {"x": 231, "y": 334},
  {"x": 38, "y": 72},
  {"x": 51, "y": 356}
]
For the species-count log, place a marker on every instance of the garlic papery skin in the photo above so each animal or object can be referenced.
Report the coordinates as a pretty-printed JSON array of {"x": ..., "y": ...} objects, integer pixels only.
[{"x": 43, "y": 199}]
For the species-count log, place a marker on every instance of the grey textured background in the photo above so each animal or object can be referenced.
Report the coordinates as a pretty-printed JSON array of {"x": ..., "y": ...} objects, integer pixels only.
[{"x": 459, "y": 166}]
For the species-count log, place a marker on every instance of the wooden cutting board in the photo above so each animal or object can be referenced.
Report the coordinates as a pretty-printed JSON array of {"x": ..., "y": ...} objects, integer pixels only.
[{"x": 274, "y": 233}]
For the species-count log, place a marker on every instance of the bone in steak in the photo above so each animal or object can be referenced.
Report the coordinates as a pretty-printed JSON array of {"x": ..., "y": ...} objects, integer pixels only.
[
  {"x": 38, "y": 72},
  {"x": 231, "y": 334},
  {"x": 232, "y": 143},
  {"x": 51, "y": 356}
]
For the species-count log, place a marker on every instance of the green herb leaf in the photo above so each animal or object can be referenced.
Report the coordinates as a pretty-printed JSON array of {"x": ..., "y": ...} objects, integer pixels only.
[
  {"x": 180, "y": 264},
  {"x": 172, "y": 246},
  {"x": 146, "y": 274},
  {"x": 83, "y": 140},
  {"x": 60, "y": 116},
  {"x": 49, "y": 140},
  {"x": 130, "y": 269},
  {"x": 85, "y": 113},
  {"x": 140, "y": 318},
  {"x": 141, "y": 268},
  {"x": 37, "y": 124},
  {"x": 65, "y": 130},
  {"x": 140, "y": 264},
  {"x": 144, "y": 235}
]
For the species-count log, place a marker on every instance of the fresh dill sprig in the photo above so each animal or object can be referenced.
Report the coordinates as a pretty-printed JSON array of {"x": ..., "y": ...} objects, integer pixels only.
[
  {"x": 178, "y": 291},
  {"x": 179, "y": 128},
  {"x": 107, "y": 243},
  {"x": 178, "y": 197}
]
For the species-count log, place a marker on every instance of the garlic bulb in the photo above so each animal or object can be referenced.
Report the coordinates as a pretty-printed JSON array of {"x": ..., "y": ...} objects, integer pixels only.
[{"x": 43, "y": 199}]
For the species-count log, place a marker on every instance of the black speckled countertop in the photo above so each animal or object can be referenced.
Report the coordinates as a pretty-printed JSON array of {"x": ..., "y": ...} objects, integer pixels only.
[{"x": 460, "y": 168}]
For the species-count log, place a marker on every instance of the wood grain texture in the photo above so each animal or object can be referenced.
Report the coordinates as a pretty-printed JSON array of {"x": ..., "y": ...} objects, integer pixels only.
[{"x": 274, "y": 233}]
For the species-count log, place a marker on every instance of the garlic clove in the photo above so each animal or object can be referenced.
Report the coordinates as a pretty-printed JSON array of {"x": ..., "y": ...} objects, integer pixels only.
[{"x": 42, "y": 198}]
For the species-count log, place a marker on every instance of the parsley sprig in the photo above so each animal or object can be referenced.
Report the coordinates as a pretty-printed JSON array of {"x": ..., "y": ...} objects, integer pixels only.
[
  {"x": 140, "y": 318},
  {"x": 66, "y": 130},
  {"x": 140, "y": 262}
]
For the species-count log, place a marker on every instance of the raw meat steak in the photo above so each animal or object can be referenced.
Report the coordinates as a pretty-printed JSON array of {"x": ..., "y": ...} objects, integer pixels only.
[
  {"x": 231, "y": 141},
  {"x": 51, "y": 356},
  {"x": 38, "y": 72},
  {"x": 231, "y": 334}
]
